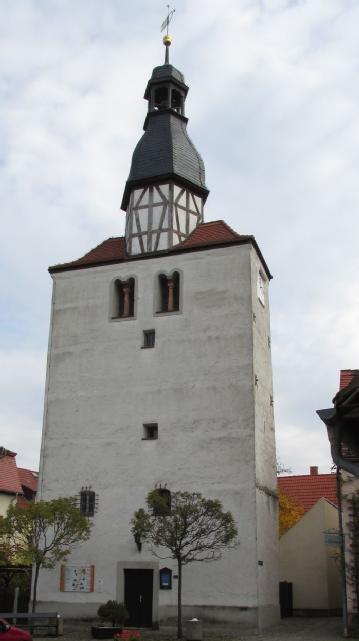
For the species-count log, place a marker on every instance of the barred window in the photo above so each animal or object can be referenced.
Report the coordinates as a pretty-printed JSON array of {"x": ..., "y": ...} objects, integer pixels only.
[
  {"x": 164, "y": 506},
  {"x": 87, "y": 502}
]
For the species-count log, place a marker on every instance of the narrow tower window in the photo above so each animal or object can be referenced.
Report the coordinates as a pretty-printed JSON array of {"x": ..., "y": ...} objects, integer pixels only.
[
  {"x": 169, "y": 292},
  {"x": 149, "y": 336},
  {"x": 260, "y": 287},
  {"x": 161, "y": 98},
  {"x": 163, "y": 507},
  {"x": 87, "y": 502},
  {"x": 176, "y": 101},
  {"x": 123, "y": 298}
]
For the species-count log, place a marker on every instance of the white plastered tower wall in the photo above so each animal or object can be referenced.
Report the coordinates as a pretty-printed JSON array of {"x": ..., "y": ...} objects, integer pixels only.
[
  {"x": 265, "y": 454},
  {"x": 199, "y": 384}
]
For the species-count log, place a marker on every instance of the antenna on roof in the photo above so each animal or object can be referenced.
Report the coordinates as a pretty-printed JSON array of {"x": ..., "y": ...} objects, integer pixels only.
[{"x": 167, "y": 39}]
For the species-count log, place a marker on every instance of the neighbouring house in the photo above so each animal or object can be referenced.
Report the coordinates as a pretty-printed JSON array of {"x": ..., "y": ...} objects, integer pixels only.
[
  {"x": 159, "y": 376},
  {"x": 17, "y": 484},
  {"x": 342, "y": 422},
  {"x": 309, "y": 559},
  {"x": 306, "y": 489},
  {"x": 308, "y": 552}
]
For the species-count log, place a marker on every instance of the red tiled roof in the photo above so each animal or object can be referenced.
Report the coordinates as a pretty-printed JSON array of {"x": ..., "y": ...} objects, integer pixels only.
[
  {"x": 346, "y": 377},
  {"x": 110, "y": 251},
  {"x": 213, "y": 233},
  {"x": 28, "y": 478},
  {"x": 307, "y": 489},
  {"x": 209, "y": 234},
  {"x": 9, "y": 477}
]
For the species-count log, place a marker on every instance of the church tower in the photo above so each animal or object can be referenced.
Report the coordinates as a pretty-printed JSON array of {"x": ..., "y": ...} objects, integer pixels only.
[
  {"x": 165, "y": 191},
  {"x": 159, "y": 376}
]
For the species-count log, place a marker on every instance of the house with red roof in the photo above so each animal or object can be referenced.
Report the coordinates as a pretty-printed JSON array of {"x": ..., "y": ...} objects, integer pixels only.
[
  {"x": 308, "y": 552},
  {"x": 306, "y": 489},
  {"x": 17, "y": 484},
  {"x": 309, "y": 561}
]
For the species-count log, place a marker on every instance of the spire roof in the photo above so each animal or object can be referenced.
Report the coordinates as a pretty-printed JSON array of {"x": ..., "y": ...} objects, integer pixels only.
[{"x": 165, "y": 151}]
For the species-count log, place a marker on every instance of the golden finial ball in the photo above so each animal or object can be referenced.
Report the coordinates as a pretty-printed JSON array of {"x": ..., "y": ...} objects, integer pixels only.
[{"x": 167, "y": 40}]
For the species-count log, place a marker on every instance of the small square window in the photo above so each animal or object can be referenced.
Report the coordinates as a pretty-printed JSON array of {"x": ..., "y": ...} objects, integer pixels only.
[
  {"x": 149, "y": 338},
  {"x": 150, "y": 431}
]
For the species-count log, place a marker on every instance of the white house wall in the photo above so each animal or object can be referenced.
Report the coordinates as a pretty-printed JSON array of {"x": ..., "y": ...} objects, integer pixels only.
[
  {"x": 197, "y": 384},
  {"x": 311, "y": 565},
  {"x": 265, "y": 456}
]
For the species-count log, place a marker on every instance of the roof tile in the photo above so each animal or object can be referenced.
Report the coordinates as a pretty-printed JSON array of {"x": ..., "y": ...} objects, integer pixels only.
[
  {"x": 9, "y": 477},
  {"x": 28, "y": 478},
  {"x": 306, "y": 490},
  {"x": 346, "y": 377}
]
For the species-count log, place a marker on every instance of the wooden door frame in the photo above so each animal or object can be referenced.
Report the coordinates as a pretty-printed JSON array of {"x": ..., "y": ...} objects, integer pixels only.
[{"x": 140, "y": 565}]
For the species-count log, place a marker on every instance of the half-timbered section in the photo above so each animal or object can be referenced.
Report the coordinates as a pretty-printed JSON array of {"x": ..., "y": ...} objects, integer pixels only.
[{"x": 161, "y": 216}]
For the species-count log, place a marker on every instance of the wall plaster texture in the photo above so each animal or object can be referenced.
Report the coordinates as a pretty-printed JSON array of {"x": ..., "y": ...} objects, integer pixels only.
[{"x": 215, "y": 424}]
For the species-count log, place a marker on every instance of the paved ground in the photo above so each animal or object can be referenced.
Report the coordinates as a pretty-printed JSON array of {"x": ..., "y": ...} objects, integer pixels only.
[{"x": 296, "y": 629}]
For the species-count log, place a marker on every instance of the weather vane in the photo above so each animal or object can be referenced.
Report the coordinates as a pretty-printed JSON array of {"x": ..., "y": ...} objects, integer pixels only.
[{"x": 167, "y": 39}]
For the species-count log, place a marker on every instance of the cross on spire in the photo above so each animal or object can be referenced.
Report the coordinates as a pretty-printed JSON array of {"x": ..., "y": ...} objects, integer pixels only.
[{"x": 167, "y": 39}]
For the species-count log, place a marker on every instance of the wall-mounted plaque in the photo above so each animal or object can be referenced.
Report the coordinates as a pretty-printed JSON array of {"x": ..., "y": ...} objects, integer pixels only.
[
  {"x": 165, "y": 579},
  {"x": 77, "y": 578}
]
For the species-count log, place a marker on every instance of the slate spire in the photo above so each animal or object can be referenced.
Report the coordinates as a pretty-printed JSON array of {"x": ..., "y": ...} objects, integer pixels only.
[{"x": 165, "y": 190}]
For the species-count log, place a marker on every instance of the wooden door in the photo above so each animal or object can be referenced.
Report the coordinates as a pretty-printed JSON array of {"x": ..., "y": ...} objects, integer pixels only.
[{"x": 138, "y": 597}]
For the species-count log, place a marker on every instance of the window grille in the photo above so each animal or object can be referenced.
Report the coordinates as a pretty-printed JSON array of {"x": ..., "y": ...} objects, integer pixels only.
[
  {"x": 88, "y": 503},
  {"x": 163, "y": 508}
]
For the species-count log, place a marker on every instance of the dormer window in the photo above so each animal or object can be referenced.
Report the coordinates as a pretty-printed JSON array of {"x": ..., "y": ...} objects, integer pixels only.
[{"x": 123, "y": 298}]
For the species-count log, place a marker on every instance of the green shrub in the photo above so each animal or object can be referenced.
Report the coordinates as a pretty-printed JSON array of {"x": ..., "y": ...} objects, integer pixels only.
[{"x": 114, "y": 612}]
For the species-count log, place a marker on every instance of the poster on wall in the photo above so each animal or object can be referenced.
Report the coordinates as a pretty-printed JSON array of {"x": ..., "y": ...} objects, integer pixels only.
[{"x": 77, "y": 578}]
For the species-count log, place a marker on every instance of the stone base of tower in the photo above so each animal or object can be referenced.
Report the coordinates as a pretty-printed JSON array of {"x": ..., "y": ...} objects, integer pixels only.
[
  {"x": 223, "y": 616},
  {"x": 213, "y": 617}
]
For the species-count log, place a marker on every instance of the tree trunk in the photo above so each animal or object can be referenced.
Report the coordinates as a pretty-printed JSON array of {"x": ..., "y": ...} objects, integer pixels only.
[
  {"x": 34, "y": 592},
  {"x": 179, "y": 601}
]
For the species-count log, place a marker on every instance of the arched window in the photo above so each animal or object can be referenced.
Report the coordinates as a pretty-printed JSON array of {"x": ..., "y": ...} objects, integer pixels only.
[
  {"x": 169, "y": 292},
  {"x": 123, "y": 303},
  {"x": 163, "y": 291}
]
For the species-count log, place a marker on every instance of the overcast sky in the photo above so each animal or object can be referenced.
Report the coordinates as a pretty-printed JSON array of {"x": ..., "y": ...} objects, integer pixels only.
[{"x": 273, "y": 110}]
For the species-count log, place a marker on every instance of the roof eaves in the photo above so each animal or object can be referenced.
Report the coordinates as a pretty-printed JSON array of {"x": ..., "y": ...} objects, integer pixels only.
[{"x": 238, "y": 240}]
